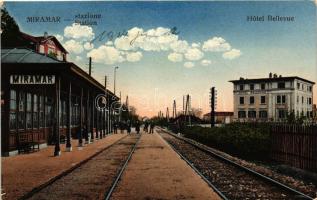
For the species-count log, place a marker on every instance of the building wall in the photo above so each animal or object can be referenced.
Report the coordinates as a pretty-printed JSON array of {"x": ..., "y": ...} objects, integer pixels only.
[{"x": 287, "y": 98}]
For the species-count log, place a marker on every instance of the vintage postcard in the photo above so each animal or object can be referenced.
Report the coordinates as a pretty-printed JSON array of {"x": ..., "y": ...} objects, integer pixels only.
[{"x": 158, "y": 100}]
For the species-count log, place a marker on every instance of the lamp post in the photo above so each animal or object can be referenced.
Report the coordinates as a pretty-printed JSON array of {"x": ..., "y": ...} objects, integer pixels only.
[{"x": 114, "y": 80}]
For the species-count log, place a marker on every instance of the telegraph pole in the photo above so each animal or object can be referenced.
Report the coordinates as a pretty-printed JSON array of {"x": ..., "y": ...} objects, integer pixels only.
[
  {"x": 212, "y": 103},
  {"x": 174, "y": 109}
]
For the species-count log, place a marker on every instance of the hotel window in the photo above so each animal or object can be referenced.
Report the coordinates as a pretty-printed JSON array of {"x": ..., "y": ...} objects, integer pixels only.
[
  {"x": 251, "y": 86},
  {"x": 310, "y": 88},
  {"x": 35, "y": 112},
  {"x": 13, "y": 109},
  {"x": 302, "y": 100},
  {"x": 251, "y": 114},
  {"x": 309, "y": 101},
  {"x": 263, "y": 86},
  {"x": 21, "y": 116},
  {"x": 262, "y": 99},
  {"x": 281, "y": 114},
  {"x": 241, "y": 87},
  {"x": 302, "y": 86},
  {"x": 241, "y": 114},
  {"x": 298, "y": 86},
  {"x": 41, "y": 111},
  {"x": 297, "y": 99},
  {"x": 241, "y": 100},
  {"x": 278, "y": 99},
  {"x": 281, "y": 85},
  {"x": 283, "y": 99},
  {"x": 28, "y": 110},
  {"x": 252, "y": 100},
  {"x": 263, "y": 114}
]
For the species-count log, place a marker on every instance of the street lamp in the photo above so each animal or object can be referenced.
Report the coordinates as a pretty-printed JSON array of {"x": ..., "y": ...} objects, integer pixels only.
[{"x": 114, "y": 80}]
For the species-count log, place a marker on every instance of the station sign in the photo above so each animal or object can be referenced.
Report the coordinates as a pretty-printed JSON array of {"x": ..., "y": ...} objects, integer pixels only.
[{"x": 32, "y": 79}]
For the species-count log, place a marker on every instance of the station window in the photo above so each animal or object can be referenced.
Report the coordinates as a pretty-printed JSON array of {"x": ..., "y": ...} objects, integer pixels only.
[
  {"x": 21, "y": 115},
  {"x": 13, "y": 109},
  {"x": 241, "y": 87},
  {"x": 49, "y": 111},
  {"x": 35, "y": 111},
  {"x": 41, "y": 111},
  {"x": 241, "y": 114},
  {"x": 28, "y": 110}
]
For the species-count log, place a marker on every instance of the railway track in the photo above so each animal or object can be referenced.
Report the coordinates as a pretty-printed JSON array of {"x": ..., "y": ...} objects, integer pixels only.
[
  {"x": 93, "y": 178},
  {"x": 229, "y": 179}
]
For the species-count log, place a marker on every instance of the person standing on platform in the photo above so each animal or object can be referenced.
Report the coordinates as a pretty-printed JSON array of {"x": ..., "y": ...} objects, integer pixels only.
[
  {"x": 115, "y": 127},
  {"x": 121, "y": 127}
]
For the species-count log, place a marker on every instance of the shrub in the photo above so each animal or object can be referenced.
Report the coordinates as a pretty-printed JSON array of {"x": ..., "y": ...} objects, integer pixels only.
[{"x": 251, "y": 141}]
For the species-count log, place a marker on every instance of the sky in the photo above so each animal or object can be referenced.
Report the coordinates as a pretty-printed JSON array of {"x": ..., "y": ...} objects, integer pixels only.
[{"x": 212, "y": 43}]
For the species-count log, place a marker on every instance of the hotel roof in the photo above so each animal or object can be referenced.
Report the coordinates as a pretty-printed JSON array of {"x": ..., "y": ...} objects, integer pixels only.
[{"x": 273, "y": 79}]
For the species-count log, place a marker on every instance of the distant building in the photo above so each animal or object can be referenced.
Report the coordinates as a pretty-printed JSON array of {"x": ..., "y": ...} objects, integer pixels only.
[
  {"x": 220, "y": 117},
  {"x": 46, "y": 45},
  {"x": 272, "y": 98}
]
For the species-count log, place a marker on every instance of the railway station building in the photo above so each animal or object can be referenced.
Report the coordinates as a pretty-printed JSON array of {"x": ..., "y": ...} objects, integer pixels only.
[{"x": 46, "y": 100}]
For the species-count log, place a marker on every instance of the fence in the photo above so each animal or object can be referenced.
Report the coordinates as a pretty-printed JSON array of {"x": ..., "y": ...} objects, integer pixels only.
[{"x": 295, "y": 145}]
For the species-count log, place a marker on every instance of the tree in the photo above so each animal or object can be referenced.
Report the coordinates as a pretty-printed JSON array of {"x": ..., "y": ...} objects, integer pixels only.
[{"x": 10, "y": 29}]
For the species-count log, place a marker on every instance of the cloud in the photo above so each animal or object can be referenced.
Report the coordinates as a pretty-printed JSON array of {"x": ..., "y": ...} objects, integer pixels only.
[
  {"x": 134, "y": 57},
  {"x": 106, "y": 54},
  {"x": 175, "y": 57},
  {"x": 193, "y": 54},
  {"x": 79, "y": 32},
  {"x": 73, "y": 46},
  {"x": 109, "y": 43},
  {"x": 205, "y": 62},
  {"x": 59, "y": 37},
  {"x": 179, "y": 46},
  {"x": 232, "y": 54},
  {"x": 88, "y": 46},
  {"x": 216, "y": 44},
  {"x": 189, "y": 64},
  {"x": 196, "y": 45}
]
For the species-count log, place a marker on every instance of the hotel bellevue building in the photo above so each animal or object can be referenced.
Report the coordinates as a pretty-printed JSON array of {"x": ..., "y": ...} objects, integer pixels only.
[{"x": 272, "y": 98}]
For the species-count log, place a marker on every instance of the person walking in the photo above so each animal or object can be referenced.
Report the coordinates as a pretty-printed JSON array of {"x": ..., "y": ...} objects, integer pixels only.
[
  {"x": 146, "y": 126},
  {"x": 137, "y": 127},
  {"x": 152, "y": 127},
  {"x": 128, "y": 127}
]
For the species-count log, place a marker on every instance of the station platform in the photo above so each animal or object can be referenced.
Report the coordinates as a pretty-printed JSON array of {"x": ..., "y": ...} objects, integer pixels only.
[
  {"x": 21, "y": 173},
  {"x": 155, "y": 171}
]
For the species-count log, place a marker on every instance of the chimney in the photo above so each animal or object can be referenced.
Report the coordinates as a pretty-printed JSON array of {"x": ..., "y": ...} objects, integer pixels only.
[
  {"x": 280, "y": 76},
  {"x": 45, "y": 34},
  {"x": 275, "y": 75},
  {"x": 270, "y": 75}
]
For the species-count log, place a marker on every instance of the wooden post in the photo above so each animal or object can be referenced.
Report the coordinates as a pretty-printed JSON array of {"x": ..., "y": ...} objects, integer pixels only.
[
  {"x": 92, "y": 119},
  {"x": 69, "y": 111},
  {"x": 80, "y": 137},
  {"x": 57, "y": 151},
  {"x": 87, "y": 119}
]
